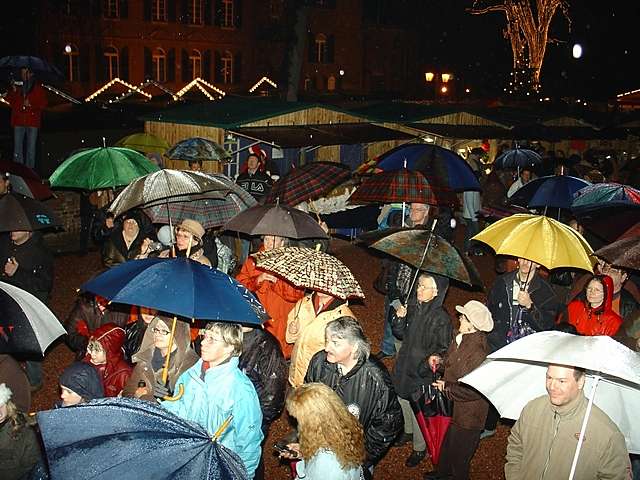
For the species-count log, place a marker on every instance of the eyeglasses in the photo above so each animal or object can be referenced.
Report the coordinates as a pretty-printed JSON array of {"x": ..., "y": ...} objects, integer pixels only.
[
  {"x": 159, "y": 331},
  {"x": 426, "y": 287}
]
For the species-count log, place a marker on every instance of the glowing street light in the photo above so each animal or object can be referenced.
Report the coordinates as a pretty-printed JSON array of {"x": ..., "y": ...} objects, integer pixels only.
[
  {"x": 577, "y": 51},
  {"x": 428, "y": 76}
]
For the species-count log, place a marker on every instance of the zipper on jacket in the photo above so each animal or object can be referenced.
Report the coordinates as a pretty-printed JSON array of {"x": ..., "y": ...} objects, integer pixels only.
[{"x": 556, "y": 420}]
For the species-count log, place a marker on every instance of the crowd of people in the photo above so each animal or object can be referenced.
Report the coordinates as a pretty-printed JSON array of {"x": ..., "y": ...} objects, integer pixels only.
[{"x": 313, "y": 358}]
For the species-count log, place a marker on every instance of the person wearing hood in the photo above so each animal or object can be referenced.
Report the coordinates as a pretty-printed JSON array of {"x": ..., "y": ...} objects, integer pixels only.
[
  {"x": 188, "y": 236},
  {"x": 104, "y": 353},
  {"x": 150, "y": 360},
  {"x": 424, "y": 328},
  {"x": 467, "y": 351},
  {"x": 594, "y": 314},
  {"x": 127, "y": 241},
  {"x": 79, "y": 383}
]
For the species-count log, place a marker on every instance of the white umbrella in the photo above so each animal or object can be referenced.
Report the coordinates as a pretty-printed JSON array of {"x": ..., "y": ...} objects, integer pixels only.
[
  {"x": 515, "y": 374},
  {"x": 26, "y": 324}
]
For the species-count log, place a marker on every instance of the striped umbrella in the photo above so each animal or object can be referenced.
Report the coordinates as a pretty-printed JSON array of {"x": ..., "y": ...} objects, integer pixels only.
[{"x": 395, "y": 187}]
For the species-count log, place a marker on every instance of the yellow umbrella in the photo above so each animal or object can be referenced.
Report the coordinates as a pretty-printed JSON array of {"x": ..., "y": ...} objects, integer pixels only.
[
  {"x": 540, "y": 239},
  {"x": 144, "y": 142}
]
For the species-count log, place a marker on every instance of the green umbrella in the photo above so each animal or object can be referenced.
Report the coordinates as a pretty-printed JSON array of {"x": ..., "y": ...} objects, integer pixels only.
[
  {"x": 100, "y": 168},
  {"x": 144, "y": 142}
]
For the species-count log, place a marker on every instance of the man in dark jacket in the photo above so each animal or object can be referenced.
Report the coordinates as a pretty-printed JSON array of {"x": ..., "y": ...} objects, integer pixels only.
[
  {"x": 254, "y": 180},
  {"x": 363, "y": 385}
]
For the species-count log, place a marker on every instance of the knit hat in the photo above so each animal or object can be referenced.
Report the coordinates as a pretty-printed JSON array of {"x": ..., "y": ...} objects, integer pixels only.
[
  {"x": 478, "y": 314},
  {"x": 5, "y": 394},
  {"x": 193, "y": 227},
  {"x": 83, "y": 379}
]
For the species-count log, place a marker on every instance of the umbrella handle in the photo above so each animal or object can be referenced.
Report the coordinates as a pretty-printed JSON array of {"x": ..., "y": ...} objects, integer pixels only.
[
  {"x": 222, "y": 428},
  {"x": 583, "y": 429},
  {"x": 165, "y": 369},
  {"x": 175, "y": 397}
]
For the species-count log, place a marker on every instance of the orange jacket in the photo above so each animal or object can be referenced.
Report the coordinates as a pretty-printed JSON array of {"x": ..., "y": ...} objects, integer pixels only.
[{"x": 277, "y": 298}]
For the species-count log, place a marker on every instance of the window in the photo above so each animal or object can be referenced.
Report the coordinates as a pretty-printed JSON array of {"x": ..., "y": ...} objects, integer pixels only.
[
  {"x": 321, "y": 48},
  {"x": 110, "y": 8},
  {"x": 112, "y": 61},
  {"x": 195, "y": 59},
  {"x": 195, "y": 11},
  {"x": 159, "y": 65},
  {"x": 73, "y": 66},
  {"x": 227, "y": 67},
  {"x": 276, "y": 8},
  {"x": 227, "y": 14},
  {"x": 159, "y": 11}
]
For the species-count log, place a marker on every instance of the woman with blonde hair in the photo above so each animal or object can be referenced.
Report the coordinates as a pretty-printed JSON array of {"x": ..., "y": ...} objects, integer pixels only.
[{"x": 331, "y": 438}]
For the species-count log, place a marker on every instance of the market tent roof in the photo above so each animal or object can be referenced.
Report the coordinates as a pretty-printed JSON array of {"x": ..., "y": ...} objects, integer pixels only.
[{"x": 334, "y": 134}]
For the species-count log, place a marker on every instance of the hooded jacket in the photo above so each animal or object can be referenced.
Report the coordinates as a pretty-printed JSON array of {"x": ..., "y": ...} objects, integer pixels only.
[
  {"x": 595, "y": 321},
  {"x": 182, "y": 358},
  {"x": 115, "y": 372},
  {"x": 210, "y": 397},
  {"x": 84, "y": 380},
  {"x": 544, "y": 439},
  {"x": 427, "y": 331},
  {"x": 305, "y": 330},
  {"x": 368, "y": 393}
]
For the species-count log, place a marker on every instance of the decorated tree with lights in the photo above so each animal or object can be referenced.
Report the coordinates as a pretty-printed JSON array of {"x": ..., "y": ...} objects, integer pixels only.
[{"x": 527, "y": 29}]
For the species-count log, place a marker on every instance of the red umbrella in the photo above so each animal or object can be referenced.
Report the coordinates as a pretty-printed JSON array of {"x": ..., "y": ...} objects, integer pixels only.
[
  {"x": 309, "y": 181},
  {"x": 393, "y": 187},
  {"x": 26, "y": 177}
]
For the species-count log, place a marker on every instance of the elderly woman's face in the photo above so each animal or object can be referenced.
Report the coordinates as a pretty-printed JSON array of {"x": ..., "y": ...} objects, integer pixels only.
[
  {"x": 338, "y": 350},
  {"x": 427, "y": 289},
  {"x": 271, "y": 242},
  {"x": 130, "y": 227},
  {"x": 182, "y": 239}
]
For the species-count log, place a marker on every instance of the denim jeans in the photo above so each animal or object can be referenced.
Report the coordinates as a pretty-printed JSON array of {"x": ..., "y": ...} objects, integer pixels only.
[{"x": 19, "y": 134}]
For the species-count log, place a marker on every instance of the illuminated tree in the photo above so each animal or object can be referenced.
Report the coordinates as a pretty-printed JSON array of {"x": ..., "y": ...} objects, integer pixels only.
[{"x": 527, "y": 29}]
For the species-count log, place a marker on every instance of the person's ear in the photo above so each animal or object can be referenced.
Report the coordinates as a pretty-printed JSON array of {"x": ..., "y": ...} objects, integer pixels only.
[{"x": 581, "y": 381}]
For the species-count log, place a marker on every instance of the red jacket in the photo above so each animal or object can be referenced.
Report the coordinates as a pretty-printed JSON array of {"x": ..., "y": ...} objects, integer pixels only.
[
  {"x": 116, "y": 371},
  {"x": 21, "y": 115},
  {"x": 595, "y": 321}
]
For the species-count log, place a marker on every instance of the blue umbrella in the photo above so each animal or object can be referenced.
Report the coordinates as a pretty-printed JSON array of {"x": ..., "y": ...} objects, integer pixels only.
[
  {"x": 552, "y": 191},
  {"x": 179, "y": 286},
  {"x": 130, "y": 439},
  {"x": 440, "y": 165},
  {"x": 518, "y": 158},
  {"x": 42, "y": 70}
]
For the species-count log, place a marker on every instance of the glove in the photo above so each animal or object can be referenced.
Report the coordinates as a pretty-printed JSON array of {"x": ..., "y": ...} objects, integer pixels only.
[{"x": 160, "y": 390}]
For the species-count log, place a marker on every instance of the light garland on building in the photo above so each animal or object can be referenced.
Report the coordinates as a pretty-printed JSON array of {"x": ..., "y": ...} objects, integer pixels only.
[
  {"x": 200, "y": 84},
  {"x": 121, "y": 82},
  {"x": 261, "y": 81}
]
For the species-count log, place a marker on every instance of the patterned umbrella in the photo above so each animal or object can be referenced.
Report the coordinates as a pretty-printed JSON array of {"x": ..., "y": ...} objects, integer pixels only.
[
  {"x": 19, "y": 212},
  {"x": 309, "y": 181},
  {"x": 554, "y": 191},
  {"x": 623, "y": 253},
  {"x": 605, "y": 194},
  {"x": 144, "y": 142},
  {"x": 198, "y": 150},
  {"x": 518, "y": 158},
  {"x": 157, "y": 187},
  {"x": 25, "y": 181},
  {"x": 279, "y": 220},
  {"x": 397, "y": 186},
  {"x": 100, "y": 168},
  {"x": 313, "y": 269},
  {"x": 442, "y": 258}
]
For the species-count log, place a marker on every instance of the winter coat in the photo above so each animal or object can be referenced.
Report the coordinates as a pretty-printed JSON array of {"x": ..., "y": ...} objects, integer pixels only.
[
  {"x": 85, "y": 317},
  {"x": 13, "y": 375},
  {"x": 427, "y": 331},
  {"x": 35, "y": 266},
  {"x": 368, "y": 393},
  {"x": 19, "y": 452},
  {"x": 544, "y": 439},
  {"x": 539, "y": 318},
  {"x": 83, "y": 379},
  {"x": 324, "y": 465},
  {"x": 257, "y": 184},
  {"x": 305, "y": 330},
  {"x": 262, "y": 361},
  {"x": 149, "y": 362},
  {"x": 277, "y": 298},
  {"x": 469, "y": 407},
  {"x": 115, "y": 251},
  {"x": 21, "y": 115},
  {"x": 133, "y": 335},
  {"x": 209, "y": 399},
  {"x": 628, "y": 297},
  {"x": 115, "y": 372},
  {"x": 595, "y": 321}
]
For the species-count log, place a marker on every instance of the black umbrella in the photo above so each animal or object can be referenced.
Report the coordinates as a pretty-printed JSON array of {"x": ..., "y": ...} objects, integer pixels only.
[
  {"x": 22, "y": 213},
  {"x": 41, "y": 69},
  {"x": 279, "y": 220},
  {"x": 130, "y": 439}
]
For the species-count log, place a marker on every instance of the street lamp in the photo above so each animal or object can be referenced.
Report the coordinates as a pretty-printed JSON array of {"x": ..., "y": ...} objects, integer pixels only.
[{"x": 429, "y": 76}]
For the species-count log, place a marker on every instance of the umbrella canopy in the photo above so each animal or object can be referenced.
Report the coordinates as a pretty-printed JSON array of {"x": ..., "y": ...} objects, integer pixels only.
[
  {"x": 179, "y": 286},
  {"x": 198, "y": 150},
  {"x": 26, "y": 324},
  {"x": 313, "y": 269},
  {"x": 19, "y": 212},
  {"x": 515, "y": 374},
  {"x": 25, "y": 181},
  {"x": 100, "y": 168},
  {"x": 441, "y": 258},
  {"x": 130, "y": 439},
  {"x": 554, "y": 191},
  {"x": 157, "y": 187},
  {"x": 309, "y": 181},
  {"x": 280, "y": 220},
  {"x": 624, "y": 253},
  {"x": 518, "y": 158},
  {"x": 397, "y": 186},
  {"x": 144, "y": 142},
  {"x": 605, "y": 194},
  {"x": 41, "y": 69},
  {"x": 447, "y": 166},
  {"x": 540, "y": 239}
]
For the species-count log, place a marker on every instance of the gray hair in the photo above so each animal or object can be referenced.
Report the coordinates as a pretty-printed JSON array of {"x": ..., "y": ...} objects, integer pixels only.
[
  {"x": 349, "y": 329},
  {"x": 230, "y": 333}
]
